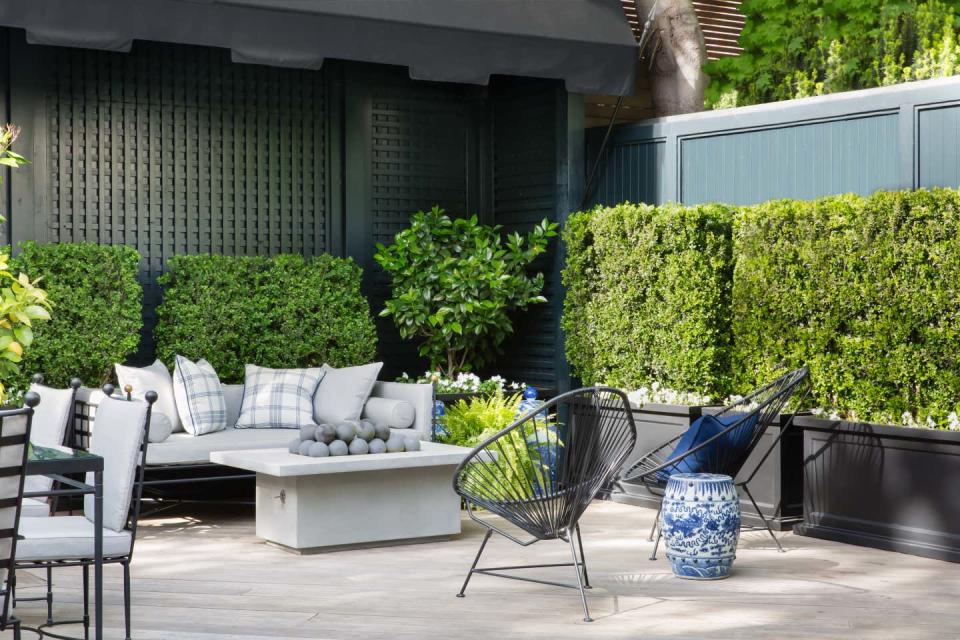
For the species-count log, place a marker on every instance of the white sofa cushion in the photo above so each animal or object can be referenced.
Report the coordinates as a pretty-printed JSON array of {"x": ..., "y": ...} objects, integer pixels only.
[
  {"x": 182, "y": 448},
  {"x": 157, "y": 378},
  {"x": 117, "y": 436},
  {"x": 49, "y": 426},
  {"x": 34, "y": 507},
  {"x": 278, "y": 398},
  {"x": 396, "y": 414},
  {"x": 199, "y": 397},
  {"x": 66, "y": 538},
  {"x": 343, "y": 392},
  {"x": 233, "y": 400}
]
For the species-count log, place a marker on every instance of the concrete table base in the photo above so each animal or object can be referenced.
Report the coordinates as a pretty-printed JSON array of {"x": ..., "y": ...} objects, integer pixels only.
[{"x": 311, "y": 505}]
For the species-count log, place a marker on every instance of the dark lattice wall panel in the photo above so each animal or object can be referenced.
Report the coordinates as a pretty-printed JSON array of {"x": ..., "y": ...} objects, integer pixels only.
[
  {"x": 524, "y": 193},
  {"x": 175, "y": 150},
  {"x": 420, "y": 147}
]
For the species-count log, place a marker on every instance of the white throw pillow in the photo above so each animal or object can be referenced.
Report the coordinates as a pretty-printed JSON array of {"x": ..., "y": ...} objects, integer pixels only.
[
  {"x": 343, "y": 392},
  {"x": 397, "y": 414},
  {"x": 278, "y": 398},
  {"x": 199, "y": 395},
  {"x": 157, "y": 378}
]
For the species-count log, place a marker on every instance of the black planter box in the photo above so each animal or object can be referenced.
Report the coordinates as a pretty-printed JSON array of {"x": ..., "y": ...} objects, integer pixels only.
[
  {"x": 777, "y": 487},
  {"x": 882, "y": 486}
]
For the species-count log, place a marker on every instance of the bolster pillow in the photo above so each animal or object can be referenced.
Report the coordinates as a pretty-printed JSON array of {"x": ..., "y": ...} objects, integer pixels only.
[{"x": 398, "y": 414}]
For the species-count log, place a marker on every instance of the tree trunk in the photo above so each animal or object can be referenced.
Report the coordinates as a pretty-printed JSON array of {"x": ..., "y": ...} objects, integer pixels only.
[{"x": 679, "y": 54}]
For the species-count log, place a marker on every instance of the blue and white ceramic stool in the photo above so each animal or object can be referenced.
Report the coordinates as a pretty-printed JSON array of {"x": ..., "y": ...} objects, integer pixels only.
[{"x": 700, "y": 521}]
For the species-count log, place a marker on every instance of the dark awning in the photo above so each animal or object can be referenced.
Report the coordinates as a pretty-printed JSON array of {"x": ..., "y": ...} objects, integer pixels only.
[{"x": 586, "y": 43}]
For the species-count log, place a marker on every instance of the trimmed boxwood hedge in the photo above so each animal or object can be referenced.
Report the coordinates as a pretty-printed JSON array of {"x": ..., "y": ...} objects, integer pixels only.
[
  {"x": 285, "y": 311},
  {"x": 648, "y": 296},
  {"x": 96, "y": 318},
  {"x": 866, "y": 291}
]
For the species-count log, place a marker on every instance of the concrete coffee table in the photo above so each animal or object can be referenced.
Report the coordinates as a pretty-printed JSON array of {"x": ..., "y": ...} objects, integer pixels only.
[{"x": 310, "y": 505}]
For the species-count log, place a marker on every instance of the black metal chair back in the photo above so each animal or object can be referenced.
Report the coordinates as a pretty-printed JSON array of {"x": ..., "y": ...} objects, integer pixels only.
[
  {"x": 720, "y": 442},
  {"x": 14, "y": 439},
  {"x": 542, "y": 472}
]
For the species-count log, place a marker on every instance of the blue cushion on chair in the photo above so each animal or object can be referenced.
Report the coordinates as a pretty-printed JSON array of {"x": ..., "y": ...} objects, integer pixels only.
[{"x": 703, "y": 429}]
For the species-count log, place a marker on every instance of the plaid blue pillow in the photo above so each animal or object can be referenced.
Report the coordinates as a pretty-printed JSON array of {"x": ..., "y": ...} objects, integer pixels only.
[
  {"x": 199, "y": 397},
  {"x": 278, "y": 398}
]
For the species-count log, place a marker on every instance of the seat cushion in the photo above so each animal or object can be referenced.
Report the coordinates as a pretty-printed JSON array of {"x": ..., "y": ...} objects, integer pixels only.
[
  {"x": 154, "y": 377},
  {"x": 278, "y": 398},
  {"x": 66, "y": 538},
  {"x": 705, "y": 459},
  {"x": 199, "y": 396},
  {"x": 34, "y": 508},
  {"x": 182, "y": 448},
  {"x": 343, "y": 392}
]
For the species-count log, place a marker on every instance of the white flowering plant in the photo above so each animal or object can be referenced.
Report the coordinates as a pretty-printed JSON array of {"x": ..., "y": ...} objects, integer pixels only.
[{"x": 464, "y": 383}]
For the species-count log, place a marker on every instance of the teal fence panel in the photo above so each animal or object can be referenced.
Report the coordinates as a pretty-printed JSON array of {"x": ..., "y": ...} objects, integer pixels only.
[{"x": 901, "y": 137}]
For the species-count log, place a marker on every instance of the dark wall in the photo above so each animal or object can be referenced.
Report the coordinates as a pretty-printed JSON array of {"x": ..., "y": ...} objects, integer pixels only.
[{"x": 174, "y": 149}]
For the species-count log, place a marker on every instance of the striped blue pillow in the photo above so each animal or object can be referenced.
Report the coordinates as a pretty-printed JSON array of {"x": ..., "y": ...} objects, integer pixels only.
[
  {"x": 278, "y": 398},
  {"x": 199, "y": 397}
]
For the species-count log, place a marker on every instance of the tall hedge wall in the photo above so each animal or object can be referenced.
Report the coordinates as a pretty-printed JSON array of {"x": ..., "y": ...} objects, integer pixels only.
[
  {"x": 648, "y": 296},
  {"x": 96, "y": 318},
  {"x": 866, "y": 291},
  {"x": 285, "y": 311}
]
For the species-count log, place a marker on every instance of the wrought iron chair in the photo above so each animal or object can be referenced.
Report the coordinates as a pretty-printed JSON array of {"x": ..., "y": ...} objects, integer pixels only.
[
  {"x": 721, "y": 443},
  {"x": 14, "y": 435},
  {"x": 120, "y": 437},
  {"x": 540, "y": 474}
]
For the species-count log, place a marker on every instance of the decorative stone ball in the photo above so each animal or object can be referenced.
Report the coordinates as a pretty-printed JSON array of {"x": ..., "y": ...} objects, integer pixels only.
[
  {"x": 383, "y": 432},
  {"x": 304, "y": 448},
  {"x": 346, "y": 432},
  {"x": 378, "y": 446},
  {"x": 294, "y": 446},
  {"x": 366, "y": 431},
  {"x": 326, "y": 433},
  {"x": 411, "y": 443},
  {"x": 338, "y": 448},
  {"x": 308, "y": 432},
  {"x": 395, "y": 444},
  {"x": 359, "y": 447},
  {"x": 319, "y": 450}
]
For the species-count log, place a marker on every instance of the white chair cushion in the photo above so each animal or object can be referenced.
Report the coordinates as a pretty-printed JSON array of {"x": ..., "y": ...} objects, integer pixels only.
[
  {"x": 49, "y": 426},
  {"x": 34, "y": 508},
  {"x": 278, "y": 398},
  {"x": 66, "y": 538},
  {"x": 157, "y": 378},
  {"x": 199, "y": 396},
  {"x": 343, "y": 392},
  {"x": 117, "y": 436},
  {"x": 397, "y": 414}
]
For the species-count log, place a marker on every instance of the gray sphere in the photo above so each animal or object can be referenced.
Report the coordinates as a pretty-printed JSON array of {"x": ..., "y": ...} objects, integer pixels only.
[
  {"x": 395, "y": 444},
  {"x": 338, "y": 448},
  {"x": 304, "y": 449},
  {"x": 383, "y": 432},
  {"x": 308, "y": 432},
  {"x": 346, "y": 432},
  {"x": 378, "y": 446},
  {"x": 294, "y": 446},
  {"x": 319, "y": 450},
  {"x": 326, "y": 433},
  {"x": 359, "y": 447},
  {"x": 411, "y": 443},
  {"x": 367, "y": 431}
]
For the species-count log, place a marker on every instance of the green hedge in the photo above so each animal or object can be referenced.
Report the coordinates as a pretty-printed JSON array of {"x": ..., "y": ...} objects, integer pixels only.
[
  {"x": 285, "y": 311},
  {"x": 96, "y": 319},
  {"x": 866, "y": 291},
  {"x": 648, "y": 296}
]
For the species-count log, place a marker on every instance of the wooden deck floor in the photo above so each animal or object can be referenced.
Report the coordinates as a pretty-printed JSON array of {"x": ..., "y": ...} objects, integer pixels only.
[{"x": 203, "y": 575}]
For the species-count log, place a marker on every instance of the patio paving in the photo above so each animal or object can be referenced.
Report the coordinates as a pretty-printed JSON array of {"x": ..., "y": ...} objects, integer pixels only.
[{"x": 201, "y": 574}]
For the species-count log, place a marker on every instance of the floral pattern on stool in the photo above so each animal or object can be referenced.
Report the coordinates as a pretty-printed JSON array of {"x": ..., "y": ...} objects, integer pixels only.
[{"x": 700, "y": 521}]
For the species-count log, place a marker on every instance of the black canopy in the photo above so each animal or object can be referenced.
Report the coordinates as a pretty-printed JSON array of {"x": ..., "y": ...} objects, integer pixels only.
[{"x": 586, "y": 43}]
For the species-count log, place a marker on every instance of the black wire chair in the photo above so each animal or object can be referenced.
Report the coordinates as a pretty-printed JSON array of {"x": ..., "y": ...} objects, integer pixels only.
[
  {"x": 721, "y": 443},
  {"x": 540, "y": 474}
]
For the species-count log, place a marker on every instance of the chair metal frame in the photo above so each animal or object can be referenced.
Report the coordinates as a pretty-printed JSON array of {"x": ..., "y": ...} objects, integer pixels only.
[
  {"x": 598, "y": 434},
  {"x": 775, "y": 396},
  {"x": 133, "y": 516}
]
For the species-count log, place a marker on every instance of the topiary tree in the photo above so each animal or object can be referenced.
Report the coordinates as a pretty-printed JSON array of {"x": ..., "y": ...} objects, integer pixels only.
[{"x": 456, "y": 282}]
